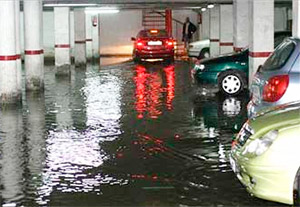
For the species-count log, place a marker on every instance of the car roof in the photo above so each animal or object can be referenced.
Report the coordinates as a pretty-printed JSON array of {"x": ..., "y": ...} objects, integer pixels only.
[
  {"x": 295, "y": 39},
  {"x": 285, "y": 33}
]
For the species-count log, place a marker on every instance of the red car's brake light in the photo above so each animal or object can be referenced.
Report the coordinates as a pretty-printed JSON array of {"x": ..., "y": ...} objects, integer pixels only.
[
  {"x": 170, "y": 43},
  {"x": 275, "y": 88},
  {"x": 153, "y": 31},
  {"x": 139, "y": 44}
]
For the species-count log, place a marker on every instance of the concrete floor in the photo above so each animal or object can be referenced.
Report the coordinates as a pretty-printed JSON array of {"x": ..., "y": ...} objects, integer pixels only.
[{"x": 121, "y": 135}]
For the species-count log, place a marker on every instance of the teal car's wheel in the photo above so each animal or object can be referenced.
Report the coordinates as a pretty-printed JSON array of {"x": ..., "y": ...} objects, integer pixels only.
[{"x": 231, "y": 83}]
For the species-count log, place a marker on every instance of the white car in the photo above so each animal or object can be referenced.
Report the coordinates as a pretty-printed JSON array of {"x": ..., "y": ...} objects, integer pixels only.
[{"x": 199, "y": 49}]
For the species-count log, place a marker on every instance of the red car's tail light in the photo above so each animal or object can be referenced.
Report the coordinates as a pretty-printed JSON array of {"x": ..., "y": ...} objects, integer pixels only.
[
  {"x": 170, "y": 43},
  {"x": 139, "y": 44},
  {"x": 275, "y": 88}
]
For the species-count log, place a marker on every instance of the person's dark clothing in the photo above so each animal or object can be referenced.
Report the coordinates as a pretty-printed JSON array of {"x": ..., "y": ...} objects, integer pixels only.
[{"x": 191, "y": 29}]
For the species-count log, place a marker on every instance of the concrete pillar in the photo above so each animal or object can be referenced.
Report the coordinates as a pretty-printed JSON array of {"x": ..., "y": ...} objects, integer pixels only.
[
  {"x": 226, "y": 28},
  {"x": 205, "y": 25},
  {"x": 62, "y": 40},
  {"x": 9, "y": 92},
  {"x": 296, "y": 18},
  {"x": 200, "y": 26},
  {"x": 80, "y": 46},
  {"x": 99, "y": 34},
  {"x": 95, "y": 36},
  {"x": 214, "y": 32},
  {"x": 240, "y": 24},
  {"x": 34, "y": 53},
  {"x": 18, "y": 46},
  {"x": 261, "y": 36},
  {"x": 88, "y": 34},
  {"x": 168, "y": 19}
]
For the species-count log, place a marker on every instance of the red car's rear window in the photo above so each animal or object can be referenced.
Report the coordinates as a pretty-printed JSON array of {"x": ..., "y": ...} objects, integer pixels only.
[{"x": 150, "y": 33}]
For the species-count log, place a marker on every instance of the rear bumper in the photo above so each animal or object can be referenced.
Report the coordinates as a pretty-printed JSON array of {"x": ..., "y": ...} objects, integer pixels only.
[{"x": 154, "y": 54}]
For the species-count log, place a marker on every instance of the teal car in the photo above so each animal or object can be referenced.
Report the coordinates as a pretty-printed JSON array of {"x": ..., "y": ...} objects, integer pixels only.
[
  {"x": 265, "y": 155},
  {"x": 229, "y": 72}
]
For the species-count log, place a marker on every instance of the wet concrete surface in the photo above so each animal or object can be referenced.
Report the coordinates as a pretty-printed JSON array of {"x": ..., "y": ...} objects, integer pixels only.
[{"x": 121, "y": 135}]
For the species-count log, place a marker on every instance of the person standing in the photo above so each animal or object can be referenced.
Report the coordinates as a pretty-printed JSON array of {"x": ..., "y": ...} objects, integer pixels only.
[{"x": 187, "y": 32}]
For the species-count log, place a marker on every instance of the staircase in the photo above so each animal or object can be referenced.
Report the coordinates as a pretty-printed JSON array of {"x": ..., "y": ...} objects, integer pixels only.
[{"x": 155, "y": 19}]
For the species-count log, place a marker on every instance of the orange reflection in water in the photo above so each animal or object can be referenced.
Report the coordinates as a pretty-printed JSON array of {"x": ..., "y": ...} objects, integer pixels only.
[{"x": 150, "y": 91}]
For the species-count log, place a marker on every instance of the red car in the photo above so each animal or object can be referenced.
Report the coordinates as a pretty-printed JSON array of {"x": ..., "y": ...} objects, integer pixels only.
[{"x": 153, "y": 44}]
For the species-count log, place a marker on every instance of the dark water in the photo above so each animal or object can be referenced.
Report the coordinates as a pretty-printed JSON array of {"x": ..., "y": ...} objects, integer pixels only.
[{"x": 121, "y": 135}]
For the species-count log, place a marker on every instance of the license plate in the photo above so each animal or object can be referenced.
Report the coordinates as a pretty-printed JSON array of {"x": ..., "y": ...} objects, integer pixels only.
[{"x": 154, "y": 43}]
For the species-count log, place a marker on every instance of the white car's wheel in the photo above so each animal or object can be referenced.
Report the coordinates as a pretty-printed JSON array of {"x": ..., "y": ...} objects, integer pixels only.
[{"x": 204, "y": 53}]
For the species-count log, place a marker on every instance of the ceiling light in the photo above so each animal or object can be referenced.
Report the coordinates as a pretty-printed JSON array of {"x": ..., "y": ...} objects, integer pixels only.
[
  {"x": 210, "y": 6},
  {"x": 69, "y": 5},
  {"x": 193, "y": 7},
  {"x": 101, "y": 10},
  {"x": 203, "y": 9}
]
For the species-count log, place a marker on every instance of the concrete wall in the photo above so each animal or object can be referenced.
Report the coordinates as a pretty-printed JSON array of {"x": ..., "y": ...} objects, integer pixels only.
[
  {"x": 181, "y": 15},
  {"x": 117, "y": 30},
  {"x": 280, "y": 19}
]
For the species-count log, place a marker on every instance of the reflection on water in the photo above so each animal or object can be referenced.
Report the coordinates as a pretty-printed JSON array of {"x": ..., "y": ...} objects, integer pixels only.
[
  {"x": 130, "y": 135},
  {"x": 105, "y": 61},
  {"x": 150, "y": 90},
  {"x": 12, "y": 164}
]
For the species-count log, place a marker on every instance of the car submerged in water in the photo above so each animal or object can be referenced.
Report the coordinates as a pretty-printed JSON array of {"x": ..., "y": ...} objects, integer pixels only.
[
  {"x": 227, "y": 73},
  {"x": 265, "y": 155},
  {"x": 153, "y": 44}
]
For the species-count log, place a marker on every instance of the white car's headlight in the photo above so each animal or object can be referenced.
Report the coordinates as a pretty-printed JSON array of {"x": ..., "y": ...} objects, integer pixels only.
[
  {"x": 260, "y": 145},
  {"x": 200, "y": 67}
]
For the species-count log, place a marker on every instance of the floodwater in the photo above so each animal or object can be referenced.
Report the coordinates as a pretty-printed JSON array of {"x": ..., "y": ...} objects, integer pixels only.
[{"x": 121, "y": 135}]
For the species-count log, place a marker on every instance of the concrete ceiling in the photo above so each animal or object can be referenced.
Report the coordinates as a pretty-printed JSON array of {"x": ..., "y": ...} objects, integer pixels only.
[
  {"x": 152, "y": 4},
  {"x": 141, "y": 4}
]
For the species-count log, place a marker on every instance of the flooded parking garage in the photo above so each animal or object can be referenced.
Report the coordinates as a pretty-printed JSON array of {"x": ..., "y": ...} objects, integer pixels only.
[{"x": 121, "y": 135}]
